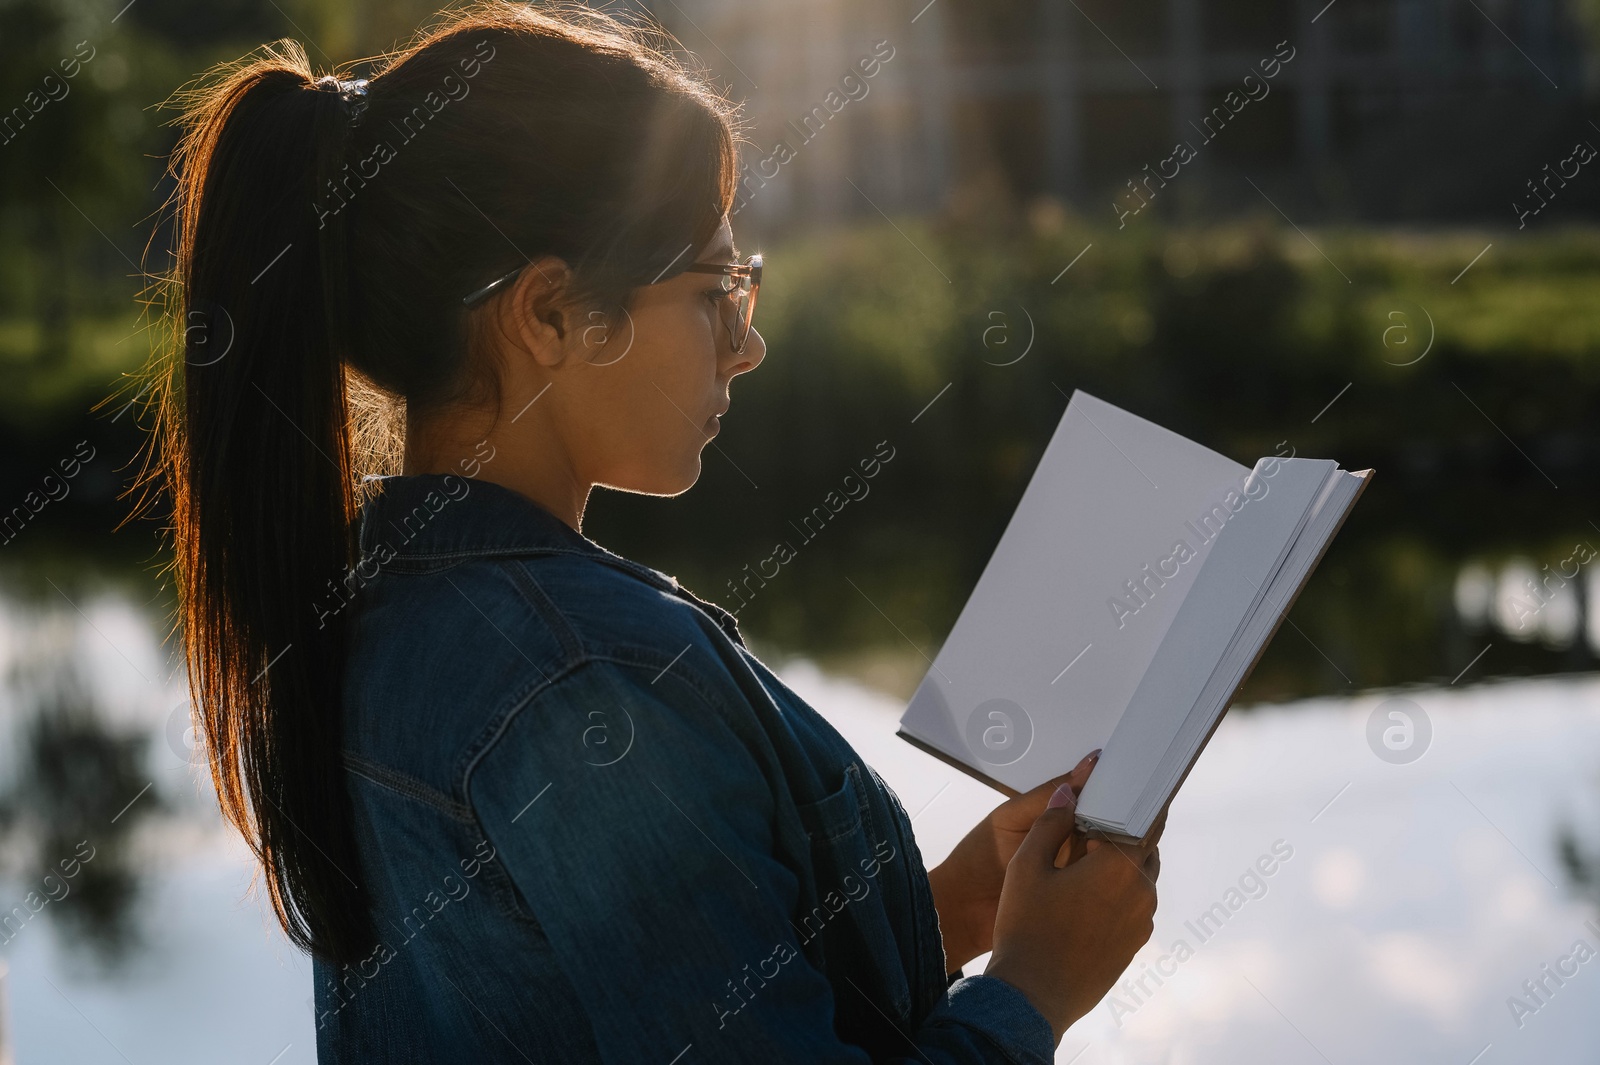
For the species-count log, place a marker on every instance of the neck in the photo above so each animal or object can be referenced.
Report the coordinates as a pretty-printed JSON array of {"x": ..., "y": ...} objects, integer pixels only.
[{"x": 526, "y": 457}]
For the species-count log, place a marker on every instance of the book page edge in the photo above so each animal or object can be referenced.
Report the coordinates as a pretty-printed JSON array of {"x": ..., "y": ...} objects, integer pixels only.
[
  {"x": 956, "y": 763},
  {"x": 1366, "y": 477}
]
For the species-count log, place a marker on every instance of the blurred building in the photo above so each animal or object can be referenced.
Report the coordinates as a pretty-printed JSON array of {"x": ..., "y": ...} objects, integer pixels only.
[{"x": 1373, "y": 109}]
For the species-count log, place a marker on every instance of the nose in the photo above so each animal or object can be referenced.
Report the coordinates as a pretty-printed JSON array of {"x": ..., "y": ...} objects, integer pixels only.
[{"x": 755, "y": 349}]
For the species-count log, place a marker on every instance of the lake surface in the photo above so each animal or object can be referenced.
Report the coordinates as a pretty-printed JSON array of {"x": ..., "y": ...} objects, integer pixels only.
[{"x": 1407, "y": 905}]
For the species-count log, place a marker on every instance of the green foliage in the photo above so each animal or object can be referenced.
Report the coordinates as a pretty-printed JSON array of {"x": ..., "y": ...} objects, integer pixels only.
[
  {"x": 954, "y": 339},
  {"x": 1238, "y": 336}
]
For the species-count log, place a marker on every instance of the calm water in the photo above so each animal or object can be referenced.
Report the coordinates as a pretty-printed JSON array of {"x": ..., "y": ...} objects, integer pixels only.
[{"x": 1409, "y": 900}]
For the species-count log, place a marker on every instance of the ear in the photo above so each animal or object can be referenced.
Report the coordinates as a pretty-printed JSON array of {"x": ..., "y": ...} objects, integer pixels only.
[{"x": 534, "y": 311}]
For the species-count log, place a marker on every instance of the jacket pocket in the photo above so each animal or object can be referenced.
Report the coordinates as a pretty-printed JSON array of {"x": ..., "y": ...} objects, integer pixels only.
[{"x": 845, "y": 912}]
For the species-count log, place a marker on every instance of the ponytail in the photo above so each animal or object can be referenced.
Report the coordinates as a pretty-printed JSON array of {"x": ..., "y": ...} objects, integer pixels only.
[{"x": 261, "y": 478}]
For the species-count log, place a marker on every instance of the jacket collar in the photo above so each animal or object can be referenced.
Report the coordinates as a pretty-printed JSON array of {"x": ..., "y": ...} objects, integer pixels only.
[
  {"x": 442, "y": 518},
  {"x": 425, "y": 521}
]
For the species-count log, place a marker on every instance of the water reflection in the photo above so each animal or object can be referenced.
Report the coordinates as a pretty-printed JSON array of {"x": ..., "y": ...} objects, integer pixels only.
[
  {"x": 71, "y": 807},
  {"x": 1556, "y": 604},
  {"x": 1425, "y": 893}
]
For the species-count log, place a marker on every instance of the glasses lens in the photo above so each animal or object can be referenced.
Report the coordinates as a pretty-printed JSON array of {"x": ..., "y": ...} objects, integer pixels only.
[{"x": 747, "y": 310}]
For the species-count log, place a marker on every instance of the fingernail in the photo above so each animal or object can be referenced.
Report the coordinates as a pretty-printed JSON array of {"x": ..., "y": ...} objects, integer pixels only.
[
  {"x": 1094, "y": 755},
  {"x": 1062, "y": 796}
]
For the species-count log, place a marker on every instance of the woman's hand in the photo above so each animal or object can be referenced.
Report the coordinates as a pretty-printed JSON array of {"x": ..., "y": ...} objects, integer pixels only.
[
  {"x": 966, "y": 885},
  {"x": 1067, "y": 930}
]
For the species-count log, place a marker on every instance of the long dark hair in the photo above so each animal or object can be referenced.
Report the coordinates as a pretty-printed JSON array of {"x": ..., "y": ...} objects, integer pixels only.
[{"x": 325, "y": 240}]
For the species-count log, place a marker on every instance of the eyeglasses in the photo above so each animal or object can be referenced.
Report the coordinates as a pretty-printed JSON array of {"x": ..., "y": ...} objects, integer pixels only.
[{"x": 741, "y": 281}]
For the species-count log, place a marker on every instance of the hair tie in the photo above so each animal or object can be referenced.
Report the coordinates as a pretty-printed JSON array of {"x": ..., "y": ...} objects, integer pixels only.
[{"x": 353, "y": 93}]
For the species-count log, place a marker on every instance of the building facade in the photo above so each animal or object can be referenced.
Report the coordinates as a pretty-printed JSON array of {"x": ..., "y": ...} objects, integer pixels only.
[{"x": 1356, "y": 108}]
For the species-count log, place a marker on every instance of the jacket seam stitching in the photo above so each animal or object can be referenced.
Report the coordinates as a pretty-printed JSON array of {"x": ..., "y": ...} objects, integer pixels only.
[
  {"x": 560, "y": 625},
  {"x": 496, "y": 729},
  {"x": 405, "y": 785},
  {"x": 488, "y": 741},
  {"x": 401, "y": 559}
]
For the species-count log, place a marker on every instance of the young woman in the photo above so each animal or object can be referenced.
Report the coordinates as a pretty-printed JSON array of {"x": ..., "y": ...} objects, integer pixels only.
[{"x": 521, "y": 798}]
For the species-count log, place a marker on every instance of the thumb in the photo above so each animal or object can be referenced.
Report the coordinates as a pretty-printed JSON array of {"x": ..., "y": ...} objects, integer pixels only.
[
  {"x": 1051, "y": 831},
  {"x": 1075, "y": 779}
]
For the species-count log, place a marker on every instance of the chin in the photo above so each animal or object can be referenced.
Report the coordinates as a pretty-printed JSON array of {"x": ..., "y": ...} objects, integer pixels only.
[
  {"x": 663, "y": 482},
  {"x": 690, "y": 475}
]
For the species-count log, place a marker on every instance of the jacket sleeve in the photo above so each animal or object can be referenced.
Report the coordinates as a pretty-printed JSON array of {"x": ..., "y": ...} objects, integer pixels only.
[{"x": 636, "y": 824}]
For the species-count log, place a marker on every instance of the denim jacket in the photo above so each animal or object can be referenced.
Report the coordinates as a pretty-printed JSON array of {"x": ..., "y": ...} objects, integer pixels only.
[{"x": 593, "y": 827}]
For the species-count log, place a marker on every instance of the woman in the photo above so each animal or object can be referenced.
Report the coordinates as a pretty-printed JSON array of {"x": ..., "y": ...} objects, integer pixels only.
[{"x": 522, "y": 798}]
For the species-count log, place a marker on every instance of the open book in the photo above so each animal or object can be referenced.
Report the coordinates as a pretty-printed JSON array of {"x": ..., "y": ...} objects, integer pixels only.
[{"x": 1129, "y": 598}]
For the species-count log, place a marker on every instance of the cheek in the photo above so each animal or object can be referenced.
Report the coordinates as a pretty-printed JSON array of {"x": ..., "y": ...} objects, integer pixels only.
[
  {"x": 681, "y": 372},
  {"x": 655, "y": 415},
  {"x": 650, "y": 410},
  {"x": 678, "y": 345}
]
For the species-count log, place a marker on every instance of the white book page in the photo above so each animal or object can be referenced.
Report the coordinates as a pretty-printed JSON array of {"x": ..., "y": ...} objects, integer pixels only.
[
  {"x": 1230, "y": 585},
  {"x": 1329, "y": 510},
  {"x": 1041, "y": 664}
]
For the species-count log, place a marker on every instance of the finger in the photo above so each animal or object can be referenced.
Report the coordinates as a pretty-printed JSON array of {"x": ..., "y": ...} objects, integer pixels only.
[
  {"x": 1037, "y": 798},
  {"x": 1079, "y": 776},
  {"x": 1077, "y": 848},
  {"x": 1066, "y": 797},
  {"x": 1084, "y": 845},
  {"x": 1071, "y": 850},
  {"x": 1134, "y": 850},
  {"x": 1098, "y": 852},
  {"x": 1052, "y": 830},
  {"x": 1152, "y": 865},
  {"x": 1137, "y": 856}
]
